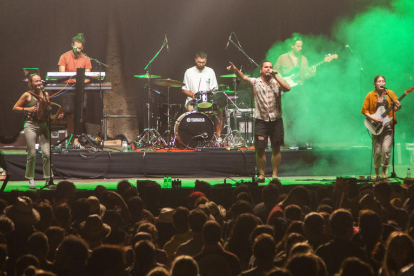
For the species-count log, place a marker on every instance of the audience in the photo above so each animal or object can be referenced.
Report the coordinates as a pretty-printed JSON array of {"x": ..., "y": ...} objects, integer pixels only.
[
  {"x": 196, "y": 221},
  {"x": 307, "y": 231},
  {"x": 213, "y": 252},
  {"x": 180, "y": 222},
  {"x": 341, "y": 247}
]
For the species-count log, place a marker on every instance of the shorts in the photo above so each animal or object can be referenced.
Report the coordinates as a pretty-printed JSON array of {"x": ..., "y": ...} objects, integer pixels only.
[{"x": 272, "y": 129}]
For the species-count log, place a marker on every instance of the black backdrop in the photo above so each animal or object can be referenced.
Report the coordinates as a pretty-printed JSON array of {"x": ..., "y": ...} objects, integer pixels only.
[{"x": 35, "y": 33}]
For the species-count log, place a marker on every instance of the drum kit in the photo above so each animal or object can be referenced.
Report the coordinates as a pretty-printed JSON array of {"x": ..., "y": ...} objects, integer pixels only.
[{"x": 192, "y": 129}]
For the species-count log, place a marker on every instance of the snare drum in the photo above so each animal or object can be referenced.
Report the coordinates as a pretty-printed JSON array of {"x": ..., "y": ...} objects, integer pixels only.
[
  {"x": 191, "y": 128},
  {"x": 204, "y": 99}
]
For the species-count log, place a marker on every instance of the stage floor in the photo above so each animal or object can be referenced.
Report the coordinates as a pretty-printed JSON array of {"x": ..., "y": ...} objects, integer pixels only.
[
  {"x": 207, "y": 163},
  {"x": 186, "y": 183}
]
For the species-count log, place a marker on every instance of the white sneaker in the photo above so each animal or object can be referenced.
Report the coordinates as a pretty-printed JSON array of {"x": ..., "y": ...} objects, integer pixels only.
[{"x": 32, "y": 184}]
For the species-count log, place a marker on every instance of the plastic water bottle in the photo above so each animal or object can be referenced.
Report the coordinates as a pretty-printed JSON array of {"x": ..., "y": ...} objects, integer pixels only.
[
  {"x": 408, "y": 173},
  {"x": 124, "y": 146},
  {"x": 169, "y": 181}
]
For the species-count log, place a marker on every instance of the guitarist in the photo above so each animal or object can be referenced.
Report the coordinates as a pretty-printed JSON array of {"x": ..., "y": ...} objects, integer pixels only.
[
  {"x": 294, "y": 61},
  {"x": 287, "y": 64},
  {"x": 381, "y": 143},
  {"x": 35, "y": 127}
]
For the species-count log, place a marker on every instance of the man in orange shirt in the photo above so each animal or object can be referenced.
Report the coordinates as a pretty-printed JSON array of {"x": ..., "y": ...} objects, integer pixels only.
[
  {"x": 381, "y": 143},
  {"x": 70, "y": 62}
]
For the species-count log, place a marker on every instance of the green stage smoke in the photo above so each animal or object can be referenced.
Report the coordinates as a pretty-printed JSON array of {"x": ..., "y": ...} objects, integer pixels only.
[{"x": 326, "y": 110}]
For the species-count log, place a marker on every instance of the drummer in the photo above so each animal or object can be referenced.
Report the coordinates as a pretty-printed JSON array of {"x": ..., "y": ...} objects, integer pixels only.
[{"x": 201, "y": 78}]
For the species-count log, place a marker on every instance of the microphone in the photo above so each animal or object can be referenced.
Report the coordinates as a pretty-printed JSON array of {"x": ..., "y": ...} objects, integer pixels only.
[
  {"x": 349, "y": 48},
  {"x": 166, "y": 41},
  {"x": 272, "y": 72},
  {"x": 228, "y": 41},
  {"x": 383, "y": 86},
  {"x": 42, "y": 88},
  {"x": 75, "y": 50}
]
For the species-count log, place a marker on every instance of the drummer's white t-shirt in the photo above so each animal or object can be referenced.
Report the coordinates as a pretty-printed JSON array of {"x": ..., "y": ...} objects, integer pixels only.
[{"x": 196, "y": 80}]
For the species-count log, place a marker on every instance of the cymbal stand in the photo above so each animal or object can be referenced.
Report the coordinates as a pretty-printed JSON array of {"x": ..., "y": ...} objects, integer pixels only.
[
  {"x": 150, "y": 134},
  {"x": 168, "y": 116},
  {"x": 233, "y": 137}
]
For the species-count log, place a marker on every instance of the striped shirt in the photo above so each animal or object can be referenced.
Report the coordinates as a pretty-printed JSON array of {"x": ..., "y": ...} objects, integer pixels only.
[{"x": 267, "y": 99}]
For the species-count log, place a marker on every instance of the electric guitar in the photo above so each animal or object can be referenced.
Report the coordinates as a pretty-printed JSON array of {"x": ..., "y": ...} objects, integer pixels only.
[
  {"x": 295, "y": 74},
  {"x": 377, "y": 127}
]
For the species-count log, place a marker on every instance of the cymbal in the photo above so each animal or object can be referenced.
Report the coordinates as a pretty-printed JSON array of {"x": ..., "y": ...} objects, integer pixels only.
[
  {"x": 146, "y": 76},
  {"x": 231, "y": 76},
  {"x": 168, "y": 82},
  {"x": 227, "y": 91}
]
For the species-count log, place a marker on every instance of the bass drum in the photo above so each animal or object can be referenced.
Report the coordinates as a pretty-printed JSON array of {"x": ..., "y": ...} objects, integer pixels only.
[{"x": 192, "y": 129}]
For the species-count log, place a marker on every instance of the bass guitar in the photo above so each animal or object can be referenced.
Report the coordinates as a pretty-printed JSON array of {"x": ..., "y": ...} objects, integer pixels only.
[
  {"x": 377, "y": 127},
  {"x": 296, "y": 74}
]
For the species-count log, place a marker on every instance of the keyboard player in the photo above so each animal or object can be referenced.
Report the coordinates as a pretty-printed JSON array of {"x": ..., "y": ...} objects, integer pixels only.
[{"x": 69, "y": 62}]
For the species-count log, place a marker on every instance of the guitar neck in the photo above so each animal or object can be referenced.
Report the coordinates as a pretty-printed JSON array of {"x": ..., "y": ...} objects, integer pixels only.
[
  {"x": 392, "y": 106},
  {"x": 307, "y": 69}
]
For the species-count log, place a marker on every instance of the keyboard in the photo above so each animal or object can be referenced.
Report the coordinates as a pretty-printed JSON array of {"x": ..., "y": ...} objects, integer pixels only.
[
  {"x": 88, "y": 86},
  {"x": 62, "y": 76}
]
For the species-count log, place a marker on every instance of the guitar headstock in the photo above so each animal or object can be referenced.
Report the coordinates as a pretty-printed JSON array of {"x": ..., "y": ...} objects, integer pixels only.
[
  {"x": 409, "y": 90},
  {"x": 330, "y": 57}
]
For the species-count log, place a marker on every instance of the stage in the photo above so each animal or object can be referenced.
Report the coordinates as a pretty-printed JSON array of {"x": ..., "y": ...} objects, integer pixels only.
[{"x": 342, "y": 160}]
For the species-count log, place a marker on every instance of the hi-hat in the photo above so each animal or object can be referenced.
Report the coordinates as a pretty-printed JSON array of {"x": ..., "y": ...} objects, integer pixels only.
[
  {"x": 147, "y": 76},
  {"x": 231, "y": 76},
  {"x": 168, "y": 82}
]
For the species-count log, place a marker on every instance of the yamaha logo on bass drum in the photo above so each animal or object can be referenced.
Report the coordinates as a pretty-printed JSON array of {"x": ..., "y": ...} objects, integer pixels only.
[{"x": 195, "y": 120}]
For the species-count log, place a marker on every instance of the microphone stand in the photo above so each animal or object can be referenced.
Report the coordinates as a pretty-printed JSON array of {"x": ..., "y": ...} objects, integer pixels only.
[
  {"x": 100, "y": 84},
  {"x": 148, "y": 131},
  {"x": 361, "y": 75},
  {"x": 252, "y": 62},
  {"x": 50, "y": 184},
  {"x": 393, "y": 174}
]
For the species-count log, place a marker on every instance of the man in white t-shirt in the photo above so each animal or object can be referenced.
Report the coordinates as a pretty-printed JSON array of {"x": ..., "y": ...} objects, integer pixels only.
[{"x": 201, "y": 78}]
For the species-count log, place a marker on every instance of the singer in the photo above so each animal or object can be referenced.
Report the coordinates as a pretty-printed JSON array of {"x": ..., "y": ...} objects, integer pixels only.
[
  {"x": 268, "y": 114},
  {"x": 381, "y": 143},
  {"x": 201, "y": 78},
  {"x": 35, "y": 128},
  {"x": 69, "y": 62}
]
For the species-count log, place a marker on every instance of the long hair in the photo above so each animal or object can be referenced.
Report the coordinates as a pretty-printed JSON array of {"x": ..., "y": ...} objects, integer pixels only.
[{"x": 397, "y": 242}]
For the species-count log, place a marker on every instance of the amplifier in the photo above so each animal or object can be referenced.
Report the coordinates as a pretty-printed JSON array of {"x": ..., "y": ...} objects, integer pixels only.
[{"x": 13, "y": 142}]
